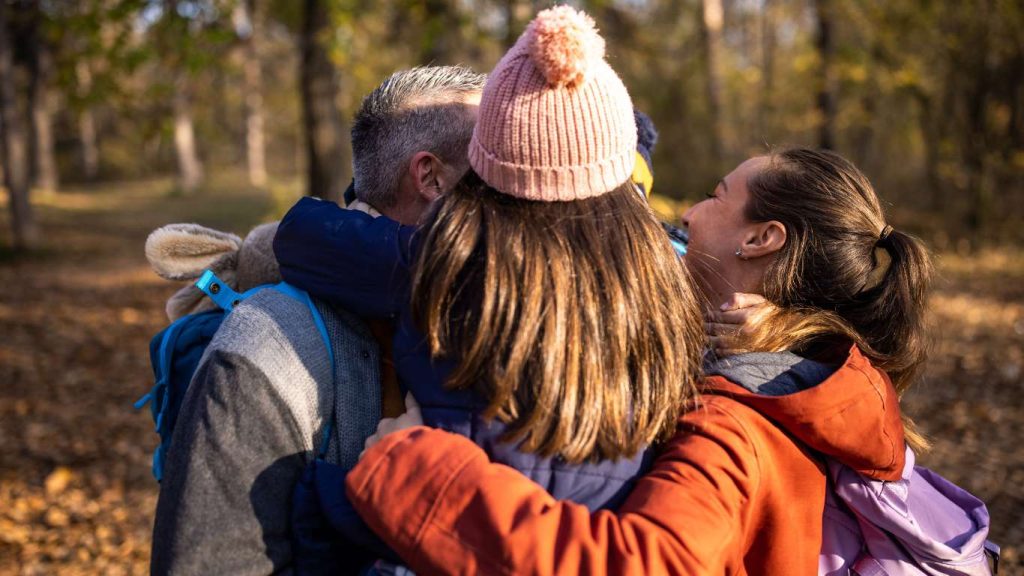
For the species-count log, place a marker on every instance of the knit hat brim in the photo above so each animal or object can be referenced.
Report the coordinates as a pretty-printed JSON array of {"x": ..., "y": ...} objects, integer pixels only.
[{"x": 551, "y": 183}]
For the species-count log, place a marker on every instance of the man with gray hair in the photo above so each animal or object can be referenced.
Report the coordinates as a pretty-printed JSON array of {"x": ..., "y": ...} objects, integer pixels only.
[
  {"x": 410, "y": 136},
  {"x": 269, "y": 396}
]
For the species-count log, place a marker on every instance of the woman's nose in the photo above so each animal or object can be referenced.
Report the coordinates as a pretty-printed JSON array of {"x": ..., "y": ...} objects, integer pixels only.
[{"x": 685, "y": 220}]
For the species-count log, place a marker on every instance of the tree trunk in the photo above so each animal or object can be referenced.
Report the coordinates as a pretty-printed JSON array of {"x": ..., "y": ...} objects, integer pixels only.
[
  {"x": 975, "y": 57},
  {"x": 1015, "y": 125},
  {"x": 41, "y": 98},
  {"x": 511, "y": 26},
  {"x": 190, "y": 169},
  {"x": 711, "y": 30},
  {"x": 442, "y": 37},
  {"x": 255, "y": 146},
  {"x": 14, "y": 144},
  {"x": 327, "y": 156},
  {"x": 864, "y": 135},
  {"x": 517, "y": 15},
  {"x": 931, "y": 140},
  {"x": 827, "y": 90},
  {"x": 766, "y": 110},
  {"x": 975, "y": 145},
  {"x": 87, "y": 124}
]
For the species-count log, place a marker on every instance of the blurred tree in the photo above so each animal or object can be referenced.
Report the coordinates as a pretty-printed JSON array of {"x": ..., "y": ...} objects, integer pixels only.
[
  {"x": 41, "y": 98},
  {"x": 14, "y": 141},
  {"x": 712, "y": 21},
  {"x": 190, "y": 168},
  {"x": 248, "y": 22},
  {"x": 516, "y": 13},
  {"x": 827, "y": 97},
  {"x": 179, "y": 34},
  {"x": 90, "y": 149},
  {"x": 442, "y": 37},
  {"x": 766, "y": 108},
  {"x": 88, "y": 42},
  {"x": 327, "y": 156}
]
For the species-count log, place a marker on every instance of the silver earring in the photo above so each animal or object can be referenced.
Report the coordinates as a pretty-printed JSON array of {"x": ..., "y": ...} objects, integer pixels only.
[{"x": 739, "y": 252}]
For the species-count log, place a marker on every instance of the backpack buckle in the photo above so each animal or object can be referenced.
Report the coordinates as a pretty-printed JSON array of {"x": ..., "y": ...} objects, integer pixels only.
[{"x": 218, "y": 291}]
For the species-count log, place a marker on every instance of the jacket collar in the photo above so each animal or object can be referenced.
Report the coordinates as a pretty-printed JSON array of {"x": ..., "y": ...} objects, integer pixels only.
[{"x": 852, "y": 415}]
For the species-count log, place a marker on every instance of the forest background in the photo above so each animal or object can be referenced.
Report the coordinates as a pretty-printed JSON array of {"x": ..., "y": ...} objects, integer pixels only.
[{"x": 118, "y": 116}]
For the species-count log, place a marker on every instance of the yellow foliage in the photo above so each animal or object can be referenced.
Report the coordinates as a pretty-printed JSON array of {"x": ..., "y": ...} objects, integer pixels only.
[{"x": 668, "y": 209}]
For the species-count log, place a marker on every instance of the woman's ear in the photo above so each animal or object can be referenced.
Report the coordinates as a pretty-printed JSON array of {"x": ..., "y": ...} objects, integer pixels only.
[
  {"x": 764, "y": 239},
  {"x": 426, "y": 170}
]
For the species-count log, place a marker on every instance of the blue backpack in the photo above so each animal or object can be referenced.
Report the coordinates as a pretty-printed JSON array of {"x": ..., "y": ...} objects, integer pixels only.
[{"x": 175, "y": 353}]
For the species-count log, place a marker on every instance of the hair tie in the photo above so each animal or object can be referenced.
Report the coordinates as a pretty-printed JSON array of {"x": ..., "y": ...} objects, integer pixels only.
[{"x": 881, "y": 261}]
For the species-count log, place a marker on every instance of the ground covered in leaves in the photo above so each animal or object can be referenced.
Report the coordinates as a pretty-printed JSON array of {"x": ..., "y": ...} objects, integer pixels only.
[{"x": 76, "y": 494}]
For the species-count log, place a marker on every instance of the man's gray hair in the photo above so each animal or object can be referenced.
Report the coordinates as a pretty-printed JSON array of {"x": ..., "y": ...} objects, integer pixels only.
[{"x": 420, "y": 109}]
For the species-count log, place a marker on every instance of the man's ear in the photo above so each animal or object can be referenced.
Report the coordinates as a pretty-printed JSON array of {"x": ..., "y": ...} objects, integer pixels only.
[
  {"x": 764, "y": 239},
  {"x": 426, "y": 171}
]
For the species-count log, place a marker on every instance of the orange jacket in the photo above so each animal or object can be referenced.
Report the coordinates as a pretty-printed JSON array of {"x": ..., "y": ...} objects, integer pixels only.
[{"x": 739, "y": 489}]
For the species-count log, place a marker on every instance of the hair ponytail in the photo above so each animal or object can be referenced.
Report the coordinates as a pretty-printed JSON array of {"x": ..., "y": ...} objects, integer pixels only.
[{"x": 890, "y": 316}]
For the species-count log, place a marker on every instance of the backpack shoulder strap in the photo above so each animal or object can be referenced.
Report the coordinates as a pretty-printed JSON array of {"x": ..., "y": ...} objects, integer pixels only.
[
  {"x": 227, "y": 298},
  {"x": 303, "y": 296},
  {"x": 321, "y": 326}
]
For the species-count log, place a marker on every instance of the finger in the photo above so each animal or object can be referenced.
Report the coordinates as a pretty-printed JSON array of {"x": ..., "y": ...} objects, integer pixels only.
[
  {"x": 720, "y": 329},
  {"x": 719, "y": 343},
  {"x": 409, "y": 419},
  {"x": 411, "y": 403},
  {"x": 740, "y": 316},
  {"x": 732, "y": 318},
  {"x": 739, "y": 300},
  {"x": 384, "y": 425},
  {"x": 369, "y": 442}
]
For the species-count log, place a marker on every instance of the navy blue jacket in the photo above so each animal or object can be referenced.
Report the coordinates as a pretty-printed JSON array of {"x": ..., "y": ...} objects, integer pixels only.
[{"x": 363, "y": 264}]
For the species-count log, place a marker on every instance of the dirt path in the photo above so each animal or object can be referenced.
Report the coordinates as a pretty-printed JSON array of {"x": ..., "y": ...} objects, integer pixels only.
[{"x": 76, "y": 495}]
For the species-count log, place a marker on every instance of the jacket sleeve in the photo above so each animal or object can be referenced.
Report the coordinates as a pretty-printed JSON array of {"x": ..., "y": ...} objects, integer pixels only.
[
  {"x": 346, "y": 257},
  {"x": 468, "y": 515},
  {"x": 234, "y": 459}
]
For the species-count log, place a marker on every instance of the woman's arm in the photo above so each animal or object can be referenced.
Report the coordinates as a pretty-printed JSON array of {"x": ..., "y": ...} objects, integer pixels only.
[
  {"x": 437, "y": 500},
  {"x": 346, "y": 257}
]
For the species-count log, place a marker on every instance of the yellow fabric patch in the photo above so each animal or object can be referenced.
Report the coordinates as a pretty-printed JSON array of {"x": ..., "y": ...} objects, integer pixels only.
[{"x": 642, "y": 176}]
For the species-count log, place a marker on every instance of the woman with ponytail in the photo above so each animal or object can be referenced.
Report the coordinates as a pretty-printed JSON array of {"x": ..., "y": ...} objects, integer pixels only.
[
  {"x": 750, "y": 482},
  {"x": 805, "y": 230}
]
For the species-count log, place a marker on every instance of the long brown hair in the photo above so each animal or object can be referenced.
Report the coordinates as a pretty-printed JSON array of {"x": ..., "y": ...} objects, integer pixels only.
[
  {"x": 843, "y": 275},
  {"x": 575, "y": 320}
]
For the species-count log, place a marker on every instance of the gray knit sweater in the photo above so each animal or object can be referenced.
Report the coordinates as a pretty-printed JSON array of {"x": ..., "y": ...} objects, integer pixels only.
[{"x": 253, "y": 417}]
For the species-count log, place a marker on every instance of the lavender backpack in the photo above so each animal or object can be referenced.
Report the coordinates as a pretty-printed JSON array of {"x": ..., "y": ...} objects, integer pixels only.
[{"x": 922, "y": 524}]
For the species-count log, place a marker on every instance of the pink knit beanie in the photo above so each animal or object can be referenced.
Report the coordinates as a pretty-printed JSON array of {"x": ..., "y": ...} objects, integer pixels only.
[{"x": 556, "y": 122}]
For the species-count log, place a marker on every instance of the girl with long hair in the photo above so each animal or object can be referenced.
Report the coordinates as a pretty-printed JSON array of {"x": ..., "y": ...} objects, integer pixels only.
[{"x": 543, "y": 312}]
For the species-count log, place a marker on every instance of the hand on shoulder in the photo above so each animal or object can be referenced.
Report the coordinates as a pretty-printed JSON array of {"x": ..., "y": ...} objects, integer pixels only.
[
  {"x": 740, "y": 314},
  {"x": 410, "y": 419}
]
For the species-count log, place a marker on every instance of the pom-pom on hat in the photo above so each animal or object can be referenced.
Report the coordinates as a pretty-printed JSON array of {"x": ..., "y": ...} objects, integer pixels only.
[{"x": 556, "y": 122}]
